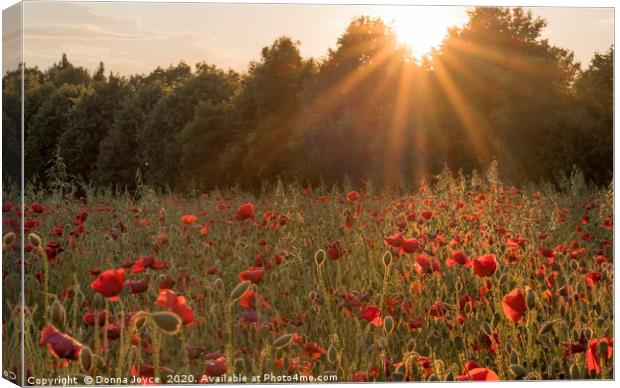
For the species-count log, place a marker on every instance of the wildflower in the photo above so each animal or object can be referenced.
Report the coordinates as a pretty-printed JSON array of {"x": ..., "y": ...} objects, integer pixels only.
[
  {"x": 255, "y": 275},
  {"x": 110, "y": 283},
  {"x": 245, "y": 211},
  {"x": 513, "y": 305},
  {"x": 60, "y": 345},
  {"x": 485, "y": 265},
  {"x": 176, "y": 304}
]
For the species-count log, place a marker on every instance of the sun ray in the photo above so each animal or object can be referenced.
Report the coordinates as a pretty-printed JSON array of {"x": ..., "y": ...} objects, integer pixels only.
[{"x": 473, "y": 124}]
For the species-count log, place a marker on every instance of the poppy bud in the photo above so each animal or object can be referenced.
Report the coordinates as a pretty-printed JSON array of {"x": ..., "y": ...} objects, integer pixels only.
[
  {"x": 312, "y": 296},
  {"x": 8, "y": 238},
  {"x": 439, "y": 366},
  {"x": 58, "y": 314},
  {"x": 98, "y": 301},
  {"x": 545, "y": 327},
  {"x": 431, "y": 340},
  {"x": 139, "y": 318},
  {"x": 458, "y": 286},
  {"x": 283, "y": 341},
  {"x": 35, "y": 240},
  {"x": 514, "y": 357},
  {"x": 530, "y": 298},
  {"x": 411, "y": 345},
  {"x": 518, "y": 370},
  {"x": 574, "y": 265},
  {"x": 388, "y": 324},
  {"x": 486, "y": 328},
  {"x": 169, "y": 323},
  {"x": 86, "y": 358},
  {"x": 332, "y": 355},
  {"x": 240, "y": 289},
  {"x": 273, "y": 277},
  {"x": 239, "y": 364},
  {"x": 467, "y": 308},
  {"x": 319, "y": 257},
  {"x": 587, "y": 333},
  {"x": 459, "y": 343},
  {"x": 99, "y": 364},
  {"x": 387, "y": 258},
  {"x": 497, "y": 318},
  {"x": 218, "y": 283}
]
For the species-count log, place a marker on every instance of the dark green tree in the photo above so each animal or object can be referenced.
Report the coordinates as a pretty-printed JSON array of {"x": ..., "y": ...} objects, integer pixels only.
[
  {"x": 64, "y": 72},
  {"x": 160, "y": 151},
  {"x": 91, "y": 121},
  {"x": 48, "y": 124},
  {"x": 119, "y": 159}
]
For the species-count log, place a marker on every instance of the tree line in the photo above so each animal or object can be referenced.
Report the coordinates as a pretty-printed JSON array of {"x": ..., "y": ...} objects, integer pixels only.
[{"x": 493, "y": 90}]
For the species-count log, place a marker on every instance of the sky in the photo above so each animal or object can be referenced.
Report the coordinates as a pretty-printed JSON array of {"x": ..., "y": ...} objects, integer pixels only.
[{"x": 137, "y": 37}]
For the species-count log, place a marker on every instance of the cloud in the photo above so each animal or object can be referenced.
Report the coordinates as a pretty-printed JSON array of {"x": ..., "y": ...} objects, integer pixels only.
[{"x": 122, "y": 43}]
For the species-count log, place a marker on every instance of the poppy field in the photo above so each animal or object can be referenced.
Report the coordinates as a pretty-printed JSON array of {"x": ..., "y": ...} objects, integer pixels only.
[{"x": 459, "y": 279}]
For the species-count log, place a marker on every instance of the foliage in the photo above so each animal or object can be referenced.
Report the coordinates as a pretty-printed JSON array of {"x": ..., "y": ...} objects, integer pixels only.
[
  {"x": 494, "y": 90},
  {"x": 369, "y": 286}
]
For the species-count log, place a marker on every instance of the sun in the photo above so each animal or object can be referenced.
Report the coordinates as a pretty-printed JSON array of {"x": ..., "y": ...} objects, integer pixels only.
[{"x": 422, "y": 27}]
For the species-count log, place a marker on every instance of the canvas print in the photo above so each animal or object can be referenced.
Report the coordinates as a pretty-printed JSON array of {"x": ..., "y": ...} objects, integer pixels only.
[{"x": 199, "y": 193}]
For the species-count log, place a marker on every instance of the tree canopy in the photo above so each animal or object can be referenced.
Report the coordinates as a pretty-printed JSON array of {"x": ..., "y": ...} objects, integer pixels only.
[{"x": 495, "y": 89}]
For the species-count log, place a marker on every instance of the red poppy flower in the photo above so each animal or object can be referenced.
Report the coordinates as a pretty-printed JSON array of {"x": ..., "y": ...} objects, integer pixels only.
[
  {"x": 250, "y": 298},
  {"x": 469, "y": 365},
  {"x": 395, "y": 240},
  {"x": 113, "y": 331},
  {"x": 165, "y": 281},
  {"x": 139, "y": 286},
  {"x": 427, "y": 214},
  {"x": 176, "y": 304},
  {"x": 255, "y": 275},
  {"x": 479, "y": 374},
  {"x": 61, "y": 345},
  {"x": 36, "y": 207},
  {"x": 245, "y": 211},
  {"x": 214, "y": 368},
  {"x": 57, "y": 230},
  {"x": 371, "y": 314},
  {"x": 573, "y": 347},
  {"x": 592, "y": 278},
  {"x": 513, "y": 305},
  {"x": 142, "y": 263},
  {"x": 359, "y": 377},
  {"x": 409, "y": 245},
  {"x": 189, "y": 219},
  {"x": 426, "y": 265},
  {"x": 353, "y": 196},
  {"x": 485, "y": 265},
  {"x": 100, "y": 318},
  {"x": 592, "y": 356},
  {"x": 335, "y": 250},
  {"x": 457, "y": 257},
  {"x": 437, "y": 310},
  {"x": 110, "y": 283},
  {"x": 53, "y": 249},
  {"x": 312, "y": 351}
]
